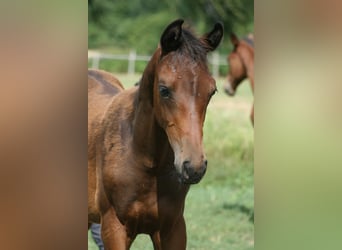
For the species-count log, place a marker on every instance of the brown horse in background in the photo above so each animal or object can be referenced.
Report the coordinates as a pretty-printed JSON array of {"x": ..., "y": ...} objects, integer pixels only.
[
  {"x": 241, "y": 66},
  {"x": 145, "y": 144}
]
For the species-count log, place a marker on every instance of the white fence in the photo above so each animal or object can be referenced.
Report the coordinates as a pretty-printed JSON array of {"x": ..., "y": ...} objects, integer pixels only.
[{"x": 215, "y": 60}]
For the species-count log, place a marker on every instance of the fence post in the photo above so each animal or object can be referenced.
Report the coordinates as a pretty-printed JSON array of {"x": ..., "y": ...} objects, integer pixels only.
[
  {"x": 96, "y": 61},
  {"x": 215, "y": 60},
  {"x": 131, "y": 62}
]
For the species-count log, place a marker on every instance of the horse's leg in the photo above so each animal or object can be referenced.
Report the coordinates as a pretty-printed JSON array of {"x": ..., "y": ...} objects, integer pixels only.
[
  {"x": 113, "y": 233},
  {"x": 175, "y": 239},
  {"x": 156, "y": 240}
]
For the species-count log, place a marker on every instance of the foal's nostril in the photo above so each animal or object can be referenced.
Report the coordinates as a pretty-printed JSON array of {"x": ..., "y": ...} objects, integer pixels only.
[
  {"x": 228, "y": 89},
  {"x": 187, "y": 168},
  {"x": 192, "y": 174}
]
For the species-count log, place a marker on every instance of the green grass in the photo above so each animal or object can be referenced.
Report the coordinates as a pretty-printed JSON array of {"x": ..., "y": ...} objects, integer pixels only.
[{"x": 219, "y": 211}]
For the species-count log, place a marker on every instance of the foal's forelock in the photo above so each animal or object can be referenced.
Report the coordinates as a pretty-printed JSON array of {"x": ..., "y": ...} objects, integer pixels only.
[{"x": 193, "y": 47}]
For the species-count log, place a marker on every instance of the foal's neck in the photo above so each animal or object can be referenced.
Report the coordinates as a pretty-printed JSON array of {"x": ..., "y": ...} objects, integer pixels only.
[
  {"x": 247, "y": 56},
  {"x": 149, "y": 138}
]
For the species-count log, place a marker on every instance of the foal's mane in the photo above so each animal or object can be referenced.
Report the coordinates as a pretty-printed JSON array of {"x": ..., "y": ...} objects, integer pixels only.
[{"x": 193, "y": 47}]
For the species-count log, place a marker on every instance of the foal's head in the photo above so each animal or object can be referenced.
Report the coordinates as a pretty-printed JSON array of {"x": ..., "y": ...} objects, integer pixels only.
[
  {"x": 237, "y": 69},
  {"x": 182, "y": 90}
]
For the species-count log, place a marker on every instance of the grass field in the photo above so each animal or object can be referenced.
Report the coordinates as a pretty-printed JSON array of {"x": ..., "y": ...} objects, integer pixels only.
[{"x": 219, "y": 211}]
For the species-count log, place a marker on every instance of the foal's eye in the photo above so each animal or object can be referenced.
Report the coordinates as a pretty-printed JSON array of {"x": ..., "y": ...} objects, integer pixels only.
[{"x": 164, "y": 92}]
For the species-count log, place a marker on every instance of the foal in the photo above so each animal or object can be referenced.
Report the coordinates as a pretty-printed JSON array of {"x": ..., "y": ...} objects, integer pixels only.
[
  {"x": 145, "y": 144},
  {"x": 241, "y": 66}
]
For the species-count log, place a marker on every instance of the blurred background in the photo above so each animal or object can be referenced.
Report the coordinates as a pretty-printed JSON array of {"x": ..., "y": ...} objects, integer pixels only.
[
  {"x": 119, "y": 29},
  {"x": 122, "y": 36}
]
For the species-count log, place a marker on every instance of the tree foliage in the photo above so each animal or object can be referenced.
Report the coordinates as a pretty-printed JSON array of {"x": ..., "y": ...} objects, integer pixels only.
[{"x": 125, "y": 24}]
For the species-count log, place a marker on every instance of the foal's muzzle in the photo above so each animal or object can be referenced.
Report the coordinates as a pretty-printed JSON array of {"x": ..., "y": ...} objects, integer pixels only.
[
  {"x": 229, "y": 89},
  {"x": 193, "y": 174}
]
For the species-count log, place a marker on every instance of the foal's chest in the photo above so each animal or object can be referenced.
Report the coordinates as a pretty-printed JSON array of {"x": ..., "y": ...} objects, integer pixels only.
[
  {"x": 139, "y": 212},
  {"x": 143, "y": 216},
  {"x": 146, "y": 213},
  {"x": 144, "y": 203}
]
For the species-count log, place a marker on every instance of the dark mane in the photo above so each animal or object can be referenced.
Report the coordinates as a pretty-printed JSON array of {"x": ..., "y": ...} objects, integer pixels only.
[{"x": 193, "y": 47}]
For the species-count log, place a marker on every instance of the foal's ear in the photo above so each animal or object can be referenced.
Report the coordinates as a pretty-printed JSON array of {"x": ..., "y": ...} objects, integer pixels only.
[
  {"x": 171, "y": 38},
  {"x": 213, "y": 38},
  {"x": 234, "y": 39}
]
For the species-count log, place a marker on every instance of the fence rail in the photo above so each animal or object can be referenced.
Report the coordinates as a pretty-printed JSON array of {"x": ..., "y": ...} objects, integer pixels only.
[{"x": 215, "y": 60}]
